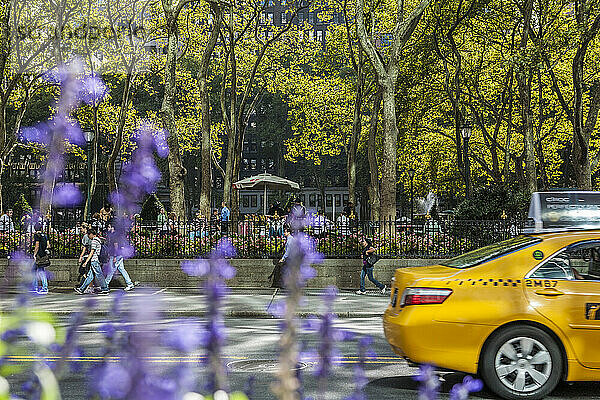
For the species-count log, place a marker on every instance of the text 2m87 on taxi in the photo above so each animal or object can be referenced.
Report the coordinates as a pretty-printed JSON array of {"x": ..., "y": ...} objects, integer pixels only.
[{"x": 524, "y": 314}]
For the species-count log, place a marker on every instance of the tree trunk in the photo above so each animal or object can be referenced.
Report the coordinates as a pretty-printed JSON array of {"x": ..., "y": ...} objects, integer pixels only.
[
  {"x": 524, "y": 76},
  {"x": 372, "y": 155},
  {"x": 390, "y": 152},
  {"x": 94, "y": 178},
  {"x": 356, "y": 129},
  {"x": 167, "y": 111},
  {"x": 205, "y": 191},
  {"x": 116, "y": 148},
  {"x": 582, "y": 130}
]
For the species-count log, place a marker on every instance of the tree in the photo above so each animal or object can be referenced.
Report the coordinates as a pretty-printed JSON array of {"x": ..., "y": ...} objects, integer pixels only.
[
  {"x": 217, "y": 17},
  {"x": 387, "y": 75},
  {"x": 172, "y": 10}
]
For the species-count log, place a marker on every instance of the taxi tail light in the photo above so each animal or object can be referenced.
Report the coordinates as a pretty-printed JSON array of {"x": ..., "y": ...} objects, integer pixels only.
[{"x": 417, "y": 296}]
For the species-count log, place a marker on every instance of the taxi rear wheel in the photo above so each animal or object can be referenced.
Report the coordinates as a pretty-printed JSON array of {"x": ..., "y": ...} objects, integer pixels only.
[{"x": 521, "y": 362}]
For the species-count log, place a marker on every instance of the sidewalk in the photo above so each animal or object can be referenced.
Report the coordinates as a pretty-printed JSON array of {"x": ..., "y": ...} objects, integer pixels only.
[{"x": 186, "y": 302}]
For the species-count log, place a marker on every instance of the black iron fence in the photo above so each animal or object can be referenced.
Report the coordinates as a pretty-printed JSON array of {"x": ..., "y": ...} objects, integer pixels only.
[{"x": 265, "y": 239}]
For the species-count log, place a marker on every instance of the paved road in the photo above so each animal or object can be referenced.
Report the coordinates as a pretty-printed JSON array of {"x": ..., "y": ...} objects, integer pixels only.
[{"x": 253, "y": 342}]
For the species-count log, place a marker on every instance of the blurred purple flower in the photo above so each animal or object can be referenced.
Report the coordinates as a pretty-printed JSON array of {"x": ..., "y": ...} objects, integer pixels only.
[
  {"x": 430, "y": 382},
  {"x": 185, "y": 336},
  {"x": 93, "y": 90},
  {"x": 160, "y": 143},
  {"x": 66, "y": 195},
  {"x": 114, "y": 381},
  {"x": 195, "y": 267},
  {"x": 36, "y": 134},
  {"x": 224, "y": 249},
  {"x": 469, "y": 385}
]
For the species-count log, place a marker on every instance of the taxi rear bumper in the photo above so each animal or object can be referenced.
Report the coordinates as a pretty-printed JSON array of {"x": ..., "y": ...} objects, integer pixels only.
[{"x": 414, "y": 334}]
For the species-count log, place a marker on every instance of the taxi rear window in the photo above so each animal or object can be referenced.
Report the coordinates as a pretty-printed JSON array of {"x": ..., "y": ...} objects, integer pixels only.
[{"x": 490, "y": 252}]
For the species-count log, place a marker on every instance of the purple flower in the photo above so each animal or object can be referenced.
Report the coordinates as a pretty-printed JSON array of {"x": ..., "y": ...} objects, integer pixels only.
[
  {"x": 36, "y": 134},
  {"x": 93, "y": 90},
  {"x": 185, "y": 336},
  {"x": 195, "y": 267},
  {"x": 469, "y": 385},
  {"x": 113, "y": 381},
  {"x": 225, "y": 248},
  {"x": 68, "y": 196},
  {"x": 430, "y": 382},
  {"x": 160, "y": 143}
]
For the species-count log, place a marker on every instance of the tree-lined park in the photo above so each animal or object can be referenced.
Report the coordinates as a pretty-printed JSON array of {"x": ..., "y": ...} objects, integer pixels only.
[{"x": 455, "y": 95}]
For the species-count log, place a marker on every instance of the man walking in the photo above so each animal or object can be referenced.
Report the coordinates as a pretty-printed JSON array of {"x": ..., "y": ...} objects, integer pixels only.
[
  {"x": 116, "y": 261},
  {"x": 368, "y": 252},
  {"x": 225, "y": 215},
  {"x": 6, "y": 222},
  {"x": 95, "y": 267}
]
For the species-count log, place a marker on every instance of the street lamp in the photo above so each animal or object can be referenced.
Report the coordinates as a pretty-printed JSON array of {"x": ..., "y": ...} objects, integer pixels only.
[
  {"x": 466, "y": 134},
  {"x": 411, "y": 174},
  {"x": 89, "y": 139}
]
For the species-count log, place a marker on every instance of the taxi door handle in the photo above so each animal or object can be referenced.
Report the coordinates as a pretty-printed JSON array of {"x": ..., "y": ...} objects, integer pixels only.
[{"x": 549, "y": 292}]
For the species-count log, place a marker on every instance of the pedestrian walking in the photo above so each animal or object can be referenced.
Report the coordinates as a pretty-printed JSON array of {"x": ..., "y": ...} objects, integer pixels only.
[
  {"x": 94, "y": 262},
  {"x": 116, "y": 262},
  {"x": 161, "y": 221},
  {"x": 369, "y": 259},
  {"x": 6, "y": 222},
  {"x": 225, "y": 216},
  {"x": 86, "y": 245},
  {"x": 41, "y": 257}
]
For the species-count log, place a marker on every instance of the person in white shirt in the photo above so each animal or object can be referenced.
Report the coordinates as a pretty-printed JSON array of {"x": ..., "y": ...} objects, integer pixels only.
[{"x": 6, "y": 222}]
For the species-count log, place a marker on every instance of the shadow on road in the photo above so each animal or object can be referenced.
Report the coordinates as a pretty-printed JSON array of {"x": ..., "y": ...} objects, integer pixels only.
[{"x": 576, "y": 390}]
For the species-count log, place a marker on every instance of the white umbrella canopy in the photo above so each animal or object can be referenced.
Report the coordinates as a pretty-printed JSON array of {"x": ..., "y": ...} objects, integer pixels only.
[{"x": 266, "y": 181}]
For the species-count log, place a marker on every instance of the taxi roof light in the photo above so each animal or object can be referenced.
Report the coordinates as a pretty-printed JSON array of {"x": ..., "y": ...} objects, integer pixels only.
[{"x": 419, "y": 296}]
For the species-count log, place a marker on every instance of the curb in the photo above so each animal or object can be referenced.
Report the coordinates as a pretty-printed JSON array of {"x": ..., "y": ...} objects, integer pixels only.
[{"x": 234, "y": 314}]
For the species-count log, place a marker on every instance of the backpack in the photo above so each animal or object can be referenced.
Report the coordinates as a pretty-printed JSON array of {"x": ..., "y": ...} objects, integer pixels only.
[{"x": 104, "y": 255}]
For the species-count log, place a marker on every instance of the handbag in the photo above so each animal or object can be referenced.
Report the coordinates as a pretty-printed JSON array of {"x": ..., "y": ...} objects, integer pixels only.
[
  {"x": 42, "y": 260},
  {"x": 372, "y": 259}
]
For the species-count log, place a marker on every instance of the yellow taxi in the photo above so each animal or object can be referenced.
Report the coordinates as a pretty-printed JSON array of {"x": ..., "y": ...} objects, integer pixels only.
[{"x": 523, "y": 313}]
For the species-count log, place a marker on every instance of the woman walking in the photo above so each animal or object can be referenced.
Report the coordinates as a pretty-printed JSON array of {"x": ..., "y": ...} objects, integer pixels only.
[
  {"x": 41, "y": 260},
  {"x": 369, "y": 260}
]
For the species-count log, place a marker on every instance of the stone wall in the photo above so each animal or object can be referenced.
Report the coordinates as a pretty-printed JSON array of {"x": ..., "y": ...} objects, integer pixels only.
[{"x": 252, "y": 273}]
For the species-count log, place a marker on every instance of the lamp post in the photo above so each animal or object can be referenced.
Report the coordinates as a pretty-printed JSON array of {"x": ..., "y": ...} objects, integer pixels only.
[
  {"x": 89, "y": 139},
  {"x": 411, "y": 174},
  {"x": 466, "y": 134}
]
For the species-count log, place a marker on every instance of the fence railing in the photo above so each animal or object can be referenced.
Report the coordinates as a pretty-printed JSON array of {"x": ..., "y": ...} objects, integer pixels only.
[{"x": 265, "y": 239}]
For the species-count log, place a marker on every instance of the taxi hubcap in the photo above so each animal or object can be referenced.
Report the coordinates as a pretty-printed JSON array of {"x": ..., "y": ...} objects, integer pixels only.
[{"x": 523, "y": 364}]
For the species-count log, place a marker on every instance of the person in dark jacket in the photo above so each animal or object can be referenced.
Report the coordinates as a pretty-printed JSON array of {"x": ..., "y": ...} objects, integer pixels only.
[
  {"x": 367, "y": 269},
  {"x": 41, "y": 260}
]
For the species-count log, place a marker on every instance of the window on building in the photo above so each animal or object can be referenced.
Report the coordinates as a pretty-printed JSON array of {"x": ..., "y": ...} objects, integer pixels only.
[
  {"x": 311, "y": 18},
  {"x": 245, "y": 201},
  {"x": 312, "y": 200},
  {"x": 328, "y": 200},
  {"x": 271, "y": 163},
  {"x": 311, "y": 35},
  {"x": 263, "y": 164},
  {"x": 320, "y": 36},
  {"x": 338, "y": 200},
  {"x": 253, "y": 200},
  {"x": 345, "y": 199},
  {"x": 253, "y": 147},
  {"x": 319, "y": 201},
  {"x": 300, "y": 17},
  {"x": 270, "y": 18},
  {"x": 302, "y": 198},
  {"x": 245, "y": 164},
  {"x": 284, "y": 18},
  {"x": 246, "y": 146},
  {"x": 253, "y": 164}
]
